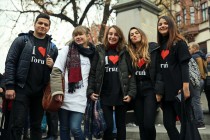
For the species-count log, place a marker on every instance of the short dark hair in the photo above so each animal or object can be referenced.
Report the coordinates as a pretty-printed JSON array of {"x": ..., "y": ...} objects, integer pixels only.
[{"x": 43, "y": 15}]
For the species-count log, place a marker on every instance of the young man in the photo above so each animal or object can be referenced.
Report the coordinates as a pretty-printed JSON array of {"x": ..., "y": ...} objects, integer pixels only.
[
  {"x": 27, "y": 71},
  {"x": 199, "y": 57}
]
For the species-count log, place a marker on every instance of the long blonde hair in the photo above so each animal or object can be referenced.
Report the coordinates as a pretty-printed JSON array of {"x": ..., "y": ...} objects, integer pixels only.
[{"x": 140, "y": 51}]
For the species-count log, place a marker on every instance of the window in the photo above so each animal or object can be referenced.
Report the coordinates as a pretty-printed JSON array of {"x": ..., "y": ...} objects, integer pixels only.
[
  {"x": 192, "y": 15},
  {"x": 185, "y": 16},
  {"x": 204, "y": 11},
  {"x": 178, "y": 20}
]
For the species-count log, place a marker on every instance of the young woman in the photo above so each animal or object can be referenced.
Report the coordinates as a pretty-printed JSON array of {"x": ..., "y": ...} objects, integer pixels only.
[
  {"x": 175, "y": 72},
  {"x": 74, "y": 62},
  {"x": 111, "y": 81},
  {"x": 145, "y": 61}
]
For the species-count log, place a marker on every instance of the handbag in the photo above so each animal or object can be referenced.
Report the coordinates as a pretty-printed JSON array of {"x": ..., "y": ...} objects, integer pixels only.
[
  {"x": 99, "y": 124},
  {"x": 189, "y": 130},
  {"x": 94, "y": 120},
  {"x": 48, "y": 101}
]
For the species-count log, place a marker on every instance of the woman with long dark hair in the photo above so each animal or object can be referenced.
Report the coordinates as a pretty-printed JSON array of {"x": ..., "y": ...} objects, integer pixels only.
[{"x": 175, "y": 72}]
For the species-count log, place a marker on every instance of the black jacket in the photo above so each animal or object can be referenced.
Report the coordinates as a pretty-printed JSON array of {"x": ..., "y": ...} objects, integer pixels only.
[
  {"x": 95, "y": 81},
  {"x": 154, "y": 68},
  {"x": 19, "y": 58}
]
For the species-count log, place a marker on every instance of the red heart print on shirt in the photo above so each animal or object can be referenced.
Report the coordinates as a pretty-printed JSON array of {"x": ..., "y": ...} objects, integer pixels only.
[
  {"x": 164, "y": 53},
  {"x": 114, "y": 59},
  {"x": 42, "y": 50},
  {"x": 141, "y": 62}
]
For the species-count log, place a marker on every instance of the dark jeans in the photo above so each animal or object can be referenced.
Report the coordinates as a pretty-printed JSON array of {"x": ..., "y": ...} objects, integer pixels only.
[
  {"x": 171, "y": 109},
  {"x": 145, "y": 112},
  {"x": 120, "y": 115},
  {"x": 52, "y": 122},
  {"x": 207, "y": 92},
  {"x": 21, "y": 105}
]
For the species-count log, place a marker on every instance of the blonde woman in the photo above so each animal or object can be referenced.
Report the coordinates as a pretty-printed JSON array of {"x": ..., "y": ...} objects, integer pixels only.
[{"x": 74, "y": 60}]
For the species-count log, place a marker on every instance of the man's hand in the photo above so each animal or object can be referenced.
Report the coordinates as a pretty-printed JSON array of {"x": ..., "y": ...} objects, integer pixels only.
[
  {"x": 49, "y": 61},
  {"x": 10, "y": 94}
]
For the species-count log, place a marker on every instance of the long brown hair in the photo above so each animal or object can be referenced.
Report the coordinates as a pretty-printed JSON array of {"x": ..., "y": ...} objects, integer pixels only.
[
  {"x": 173, "y": 34},
  {"x": 121, "y": 43},
  {"x": 140, "y": 51}
]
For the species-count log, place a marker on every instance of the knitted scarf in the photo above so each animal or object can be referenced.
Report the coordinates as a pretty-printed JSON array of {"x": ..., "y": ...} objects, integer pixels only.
[{"x": 74, "y": 66}]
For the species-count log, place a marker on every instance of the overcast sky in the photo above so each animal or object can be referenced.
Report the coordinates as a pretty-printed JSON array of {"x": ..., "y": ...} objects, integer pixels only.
[{"x": 60, "y": 30}]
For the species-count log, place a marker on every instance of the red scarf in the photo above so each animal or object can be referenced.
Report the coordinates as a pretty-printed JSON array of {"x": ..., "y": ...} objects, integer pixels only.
[{"x": 74, "y": 68}]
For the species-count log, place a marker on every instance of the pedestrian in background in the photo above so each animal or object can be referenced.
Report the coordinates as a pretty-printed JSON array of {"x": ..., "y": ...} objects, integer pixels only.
[
  {"x": 74, "y": 62},
  {"x": 200, "y": 59},
  {"x": 196, "y": 93},
  {"x": 111, "y": 81},
  {"x": 207, "y": 81},
  {"x": 175, "y": 72},
  {"x": 27, "y": 71},
  {"x": 145, "y": 60}
]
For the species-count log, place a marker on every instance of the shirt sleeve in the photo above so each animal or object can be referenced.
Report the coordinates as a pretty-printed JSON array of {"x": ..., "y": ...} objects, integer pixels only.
[{"x": 60, "y": 62}]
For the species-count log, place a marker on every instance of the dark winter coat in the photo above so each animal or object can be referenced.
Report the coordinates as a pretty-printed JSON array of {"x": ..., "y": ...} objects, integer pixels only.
[
  {"x": 95, "y": 81},
  {"x": 19, "y": 58},
  {"x": 154, "y": 69}
]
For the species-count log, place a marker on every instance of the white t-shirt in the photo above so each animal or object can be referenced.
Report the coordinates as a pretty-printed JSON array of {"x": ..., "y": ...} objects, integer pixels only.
[{"x": 75, "y": 101}]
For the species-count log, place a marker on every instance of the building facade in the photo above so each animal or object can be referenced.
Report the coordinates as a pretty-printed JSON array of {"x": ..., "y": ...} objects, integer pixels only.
[{"x": 193, "y": 20}]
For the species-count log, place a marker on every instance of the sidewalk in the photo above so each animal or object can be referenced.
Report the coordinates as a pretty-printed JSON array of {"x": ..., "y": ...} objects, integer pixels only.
[{"x": 133, "y": 133}]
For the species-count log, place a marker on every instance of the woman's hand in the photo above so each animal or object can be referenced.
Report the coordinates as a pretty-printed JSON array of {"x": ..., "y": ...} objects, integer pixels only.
[
  {"x": 127, "y": 98},
  {"x": 58, "y": 97},
  {"x": 94, "y": 96},
  {"x": 186, "y": 90}
]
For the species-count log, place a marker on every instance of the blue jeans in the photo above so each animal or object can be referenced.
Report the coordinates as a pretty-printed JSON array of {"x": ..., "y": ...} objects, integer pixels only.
[
  {"x": 201, "y": 86},
  {"x": 196, "y": 96},
  {"x": 70, "y": 121}
]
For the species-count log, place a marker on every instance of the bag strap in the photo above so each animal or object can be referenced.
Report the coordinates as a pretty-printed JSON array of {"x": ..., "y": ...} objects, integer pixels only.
[
  {"x": 186, "y": 109},
  {"x": 3, "y": 113},
  {"x": 2, "y": 120}
]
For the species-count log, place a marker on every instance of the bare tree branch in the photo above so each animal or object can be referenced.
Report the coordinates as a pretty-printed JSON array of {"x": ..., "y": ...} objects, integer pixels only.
[
  {"x": 106, "y": 15},
  {"x": 90, "y": 4}
]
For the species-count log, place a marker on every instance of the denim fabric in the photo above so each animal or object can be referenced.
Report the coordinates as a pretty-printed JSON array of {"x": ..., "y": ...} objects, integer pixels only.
[
  {"x": 202, "y": 86},
  {"x": 196, "y": 96},
  {"x": 70, "y": 121}
]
